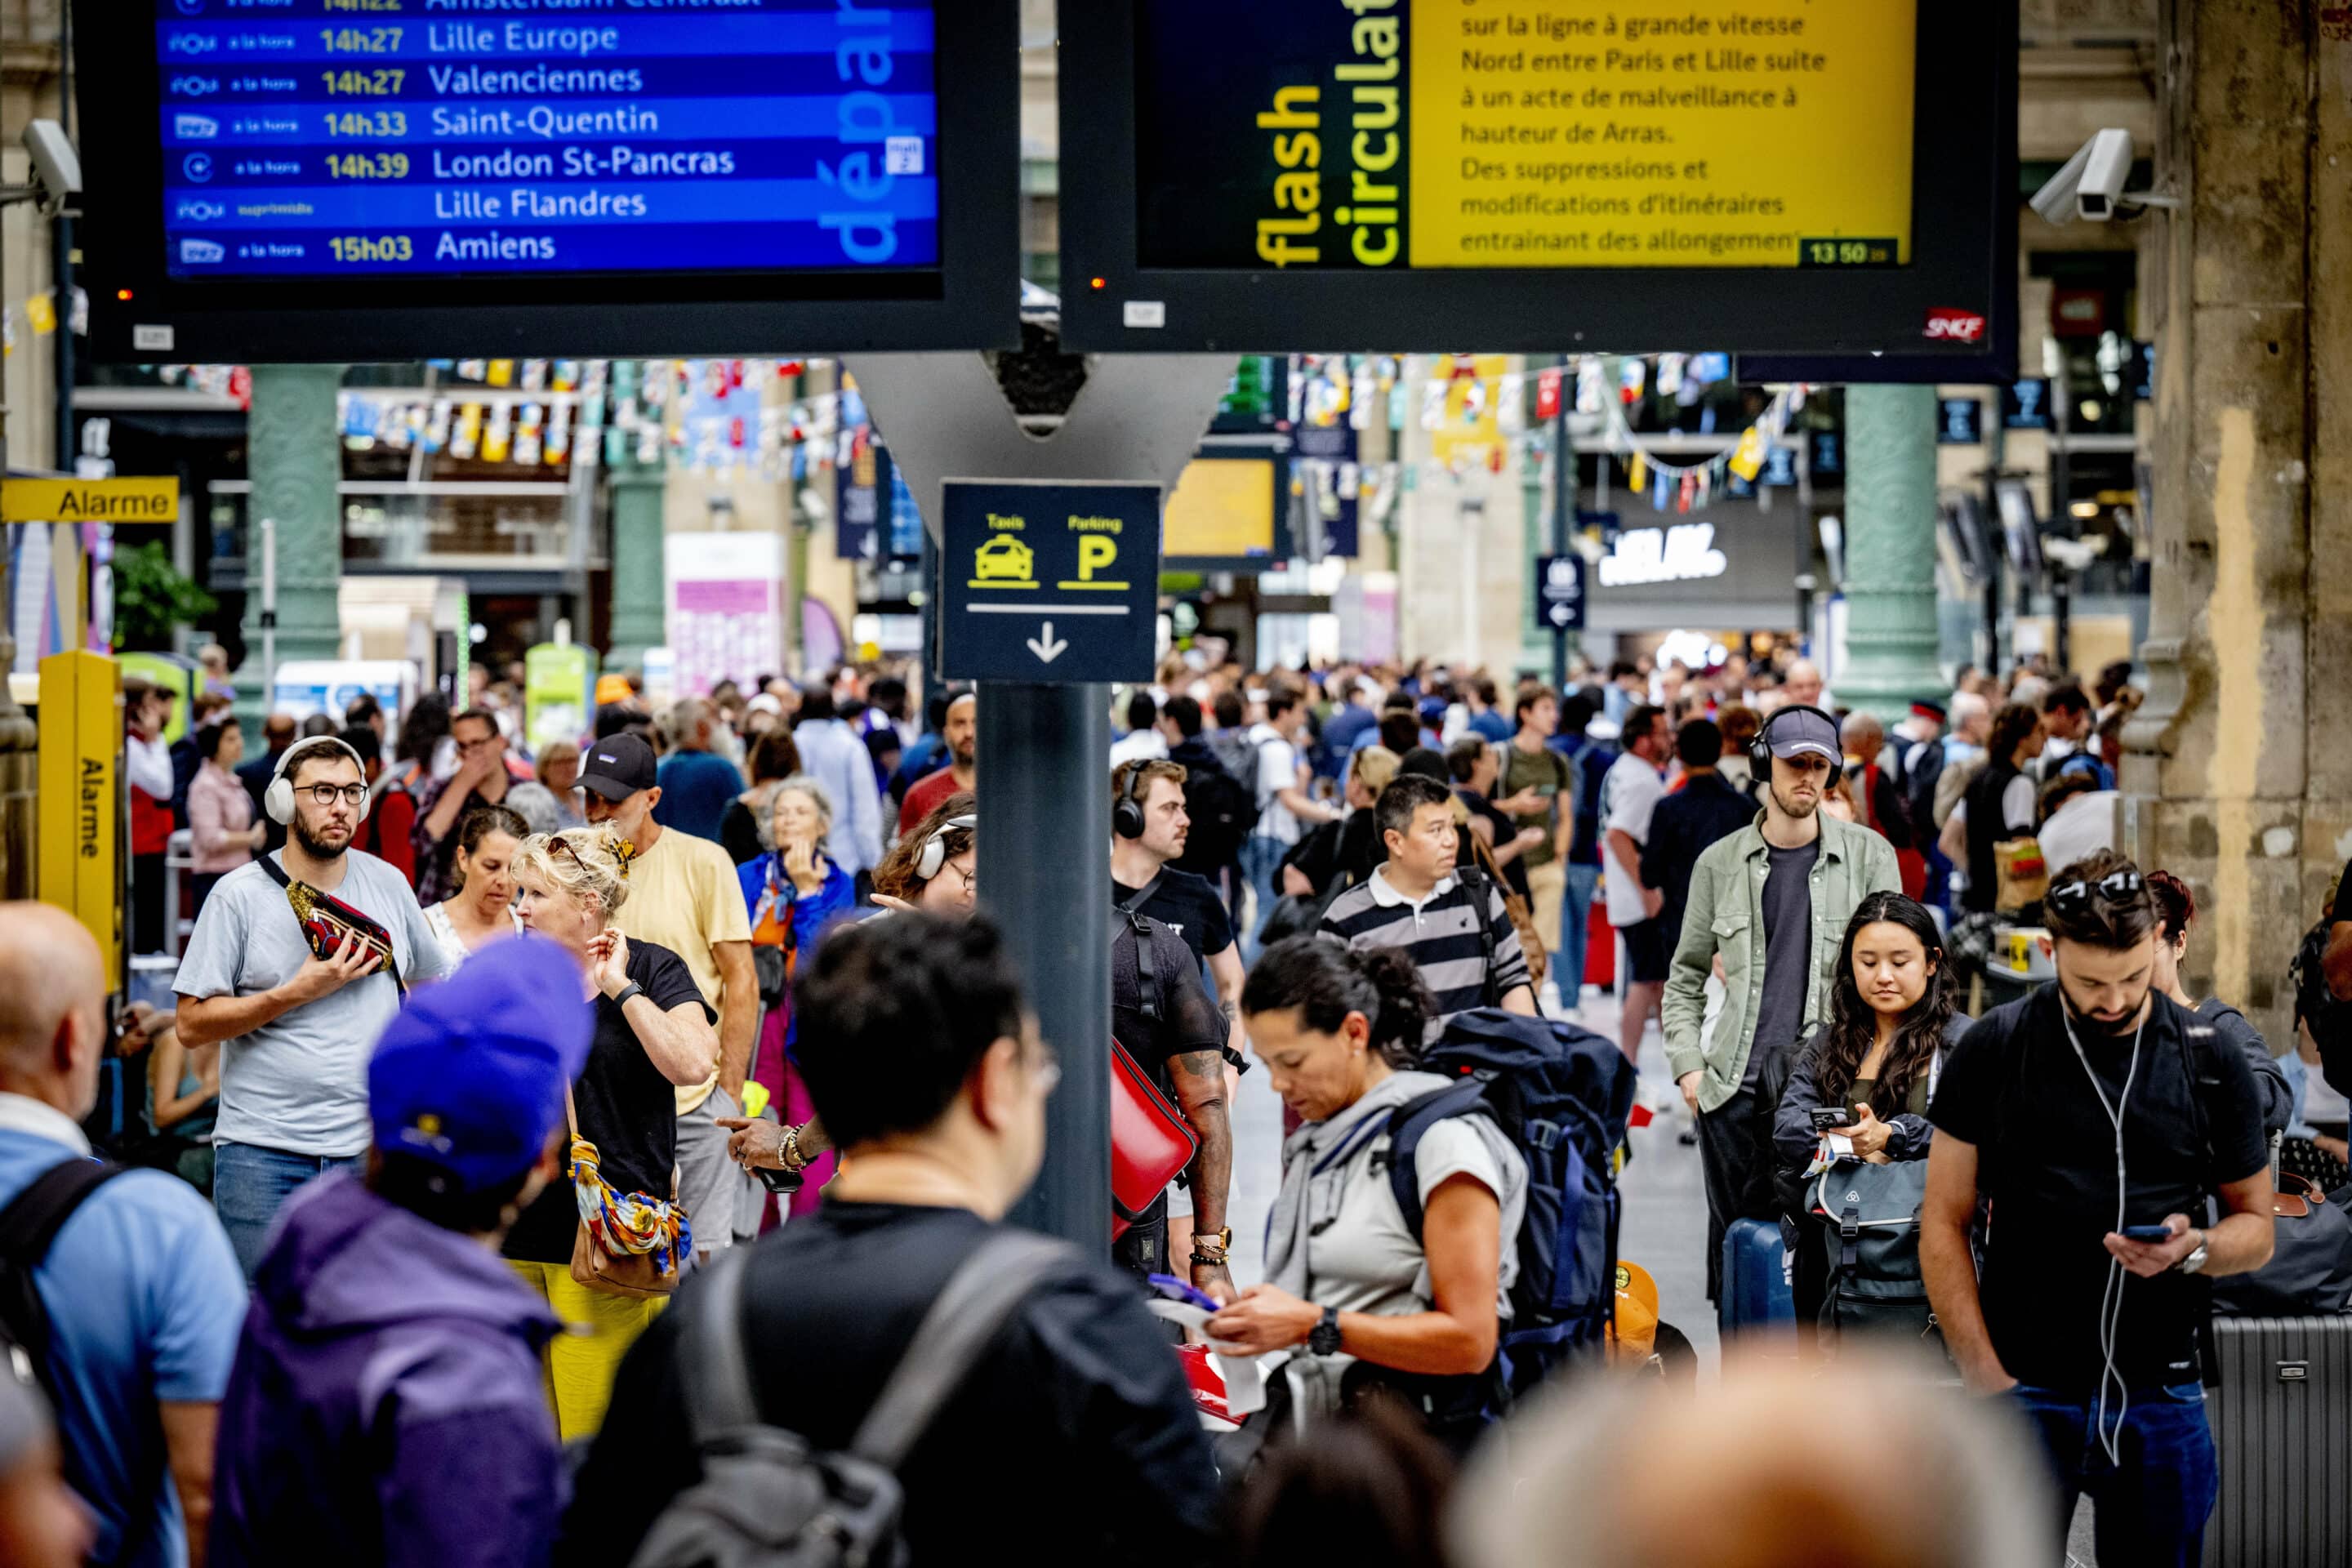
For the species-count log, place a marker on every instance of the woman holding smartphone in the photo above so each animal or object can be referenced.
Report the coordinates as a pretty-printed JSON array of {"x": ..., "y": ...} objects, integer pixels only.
[
  {"x": 1869, "y": 1070},
  {"x": 793, "y": 893},
  {"x": 1364, "y": 1308},
  {"x": 654, "y": 1032}
]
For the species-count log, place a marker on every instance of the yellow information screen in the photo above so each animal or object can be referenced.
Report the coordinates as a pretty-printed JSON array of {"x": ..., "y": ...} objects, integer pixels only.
[
  {"x": 1394, "y": 134},
  {"x": 1678, "y": 133},
  {"x": 1221, "y": 507}
]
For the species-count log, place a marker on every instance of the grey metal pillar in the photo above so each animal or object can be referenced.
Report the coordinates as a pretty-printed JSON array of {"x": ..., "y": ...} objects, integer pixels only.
[
  {"x": 1044, "y": 751},
  {"x": 1890, "y": 584}
]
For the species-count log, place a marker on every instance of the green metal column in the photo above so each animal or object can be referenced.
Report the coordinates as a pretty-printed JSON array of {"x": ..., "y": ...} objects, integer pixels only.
[
  {"x": 640, "y": 584},
  {"x": 294, "y": 455},
  {"x": 1890, "y": 521}
]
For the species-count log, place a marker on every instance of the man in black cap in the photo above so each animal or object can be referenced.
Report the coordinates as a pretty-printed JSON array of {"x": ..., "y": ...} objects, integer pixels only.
[{"x": 1773, "y": 901}]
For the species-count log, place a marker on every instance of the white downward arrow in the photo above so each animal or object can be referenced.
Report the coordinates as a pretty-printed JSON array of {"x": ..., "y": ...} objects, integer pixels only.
[{"x": 1045, "y": 645}]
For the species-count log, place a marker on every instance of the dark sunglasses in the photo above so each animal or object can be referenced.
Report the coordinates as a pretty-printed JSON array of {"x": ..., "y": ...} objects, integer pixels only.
[{"x": 2114, "y": 888}]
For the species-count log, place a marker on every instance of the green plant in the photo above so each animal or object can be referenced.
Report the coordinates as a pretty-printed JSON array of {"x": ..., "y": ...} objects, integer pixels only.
[{"x": 152, "y": 598}]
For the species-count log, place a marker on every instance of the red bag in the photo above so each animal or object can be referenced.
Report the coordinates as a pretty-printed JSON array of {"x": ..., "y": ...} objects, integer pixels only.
[{"x": 1149, "y": 1141}]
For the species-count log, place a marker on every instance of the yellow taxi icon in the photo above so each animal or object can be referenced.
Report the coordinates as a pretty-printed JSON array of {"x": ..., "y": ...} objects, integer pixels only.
[{"x": 1003, "y": 558}]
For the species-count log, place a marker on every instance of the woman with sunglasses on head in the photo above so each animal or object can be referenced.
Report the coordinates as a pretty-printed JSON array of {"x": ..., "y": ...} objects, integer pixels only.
[
  {"x": 2176, "y": 914},
  {"x": 936, "y": 869},
  {"x": 1876, "y": 1059},
  {"x": 654, "y": 1032},
  {"x": 794, "y": 893}
]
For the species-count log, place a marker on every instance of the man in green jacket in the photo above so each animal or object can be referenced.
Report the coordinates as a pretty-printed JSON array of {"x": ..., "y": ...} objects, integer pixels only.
[{"x": 1772, "y": 902}]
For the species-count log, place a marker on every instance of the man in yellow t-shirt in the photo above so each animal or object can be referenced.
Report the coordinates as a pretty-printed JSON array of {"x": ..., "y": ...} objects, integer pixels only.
[{"x": 684, "y": 896}]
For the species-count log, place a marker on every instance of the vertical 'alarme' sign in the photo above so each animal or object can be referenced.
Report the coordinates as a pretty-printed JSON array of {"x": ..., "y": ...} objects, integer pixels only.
[{"x": 1363, "y": 111}]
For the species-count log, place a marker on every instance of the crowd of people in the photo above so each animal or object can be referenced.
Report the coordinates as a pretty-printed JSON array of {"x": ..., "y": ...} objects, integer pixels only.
[{"x": 643, "y": 1094}]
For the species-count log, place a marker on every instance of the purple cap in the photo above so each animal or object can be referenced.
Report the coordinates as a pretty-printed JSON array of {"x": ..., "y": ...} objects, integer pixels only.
[
  {"x": 470, "y": 1076},
  {"x": 1794, "y": 732}
]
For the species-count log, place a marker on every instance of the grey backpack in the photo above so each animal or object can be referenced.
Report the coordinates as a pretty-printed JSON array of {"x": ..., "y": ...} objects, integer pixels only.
[
  {"x": 766, "y": 1499},
  {"x": 1872, "y": 1213}
]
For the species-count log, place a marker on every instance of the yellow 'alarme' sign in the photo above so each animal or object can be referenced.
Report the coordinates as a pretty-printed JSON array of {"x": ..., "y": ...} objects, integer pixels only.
[
  {"x": 90, "y": 500},
  {"x": 81, "y": 822}
]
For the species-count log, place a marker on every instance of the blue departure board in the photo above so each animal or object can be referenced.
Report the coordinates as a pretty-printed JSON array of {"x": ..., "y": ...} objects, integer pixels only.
[{"x": 414, "y": 138}]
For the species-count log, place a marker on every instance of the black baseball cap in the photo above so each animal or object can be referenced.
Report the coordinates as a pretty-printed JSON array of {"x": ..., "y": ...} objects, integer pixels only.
[
  {"x": 1794, "y": 732},
  {"x": 618, "y": 766}
]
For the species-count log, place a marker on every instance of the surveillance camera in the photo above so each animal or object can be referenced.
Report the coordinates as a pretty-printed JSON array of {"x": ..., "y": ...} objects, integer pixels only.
[
  {"x": 56, "y": 165},
  {"x": 2091, "y": 184},
  {"x": 2105, "y": 171}
]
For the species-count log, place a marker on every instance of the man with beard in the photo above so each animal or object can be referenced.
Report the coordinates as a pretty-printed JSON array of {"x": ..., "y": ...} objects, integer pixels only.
[
  {"x": 1773, "y": 901},
  {"x": 962, "y": 733},
  {"x": 2096, "y": 1115},
  {"x": 296, "y": 1005}
]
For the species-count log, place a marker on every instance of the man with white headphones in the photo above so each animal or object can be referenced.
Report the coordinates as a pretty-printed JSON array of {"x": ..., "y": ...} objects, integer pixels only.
[
  {"x": 297, "y": 1001},
  {"x": 2096, "y": 1115}
]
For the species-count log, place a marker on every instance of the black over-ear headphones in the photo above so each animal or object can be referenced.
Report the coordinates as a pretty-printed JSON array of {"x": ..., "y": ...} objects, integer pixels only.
[
  {"x": 1759, "y": 749},
  {"x": 1127, "y": 812}
]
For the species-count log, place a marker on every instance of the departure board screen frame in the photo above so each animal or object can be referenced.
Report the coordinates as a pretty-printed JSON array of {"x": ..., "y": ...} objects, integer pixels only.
[
  {"x": 141, "y": 313},
  {"x": 1960, "y": 276}
]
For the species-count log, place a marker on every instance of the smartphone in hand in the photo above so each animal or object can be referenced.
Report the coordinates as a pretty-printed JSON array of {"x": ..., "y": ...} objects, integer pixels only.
[{"x": 2153, "y": 1235}]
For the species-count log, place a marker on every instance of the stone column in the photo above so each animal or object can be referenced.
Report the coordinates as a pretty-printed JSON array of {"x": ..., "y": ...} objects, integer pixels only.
[
  {"x": 2238, "y": 771},
  {"x": 640, "y": 584},
  {"x": 1890, "y": 551},
  {"x": 294, "y": 455}
]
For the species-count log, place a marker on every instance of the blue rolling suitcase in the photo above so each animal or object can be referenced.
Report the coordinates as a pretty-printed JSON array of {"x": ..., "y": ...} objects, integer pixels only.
[{"x": 1755, "y": 1293}]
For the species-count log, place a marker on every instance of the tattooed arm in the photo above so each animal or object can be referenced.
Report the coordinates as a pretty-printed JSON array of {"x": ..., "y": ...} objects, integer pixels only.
[{"x": 1200, "y": 1081}]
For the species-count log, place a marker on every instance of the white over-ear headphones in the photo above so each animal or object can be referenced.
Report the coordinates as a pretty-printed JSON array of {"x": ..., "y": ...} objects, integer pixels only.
[
  {"x": 933, "y": 857},
  {"x": 277, "y": 800}
]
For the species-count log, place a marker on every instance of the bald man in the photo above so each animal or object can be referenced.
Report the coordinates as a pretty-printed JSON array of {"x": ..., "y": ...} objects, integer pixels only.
[
  {"x": 1802, "y": 684},
  {"x": 142, "y": 1295}
]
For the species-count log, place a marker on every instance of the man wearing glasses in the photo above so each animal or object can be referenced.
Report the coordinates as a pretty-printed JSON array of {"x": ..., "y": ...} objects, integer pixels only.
[
  {"x": 295, "y": 1025},
  {"x": 481, "y": 779},
  {"x": 2094, "y": 1116}
]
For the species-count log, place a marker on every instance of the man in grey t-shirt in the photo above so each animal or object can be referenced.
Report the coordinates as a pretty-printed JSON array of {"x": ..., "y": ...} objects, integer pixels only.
[{"x": 296, "y": 1029}]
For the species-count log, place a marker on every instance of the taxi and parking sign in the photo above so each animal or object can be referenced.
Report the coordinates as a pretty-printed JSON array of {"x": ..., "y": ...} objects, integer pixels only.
[{"x": 1051, "y": 582}]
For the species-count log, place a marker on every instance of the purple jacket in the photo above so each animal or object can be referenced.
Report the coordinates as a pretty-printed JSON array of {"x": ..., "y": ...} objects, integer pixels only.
[{"x": 386, "y": 1406}]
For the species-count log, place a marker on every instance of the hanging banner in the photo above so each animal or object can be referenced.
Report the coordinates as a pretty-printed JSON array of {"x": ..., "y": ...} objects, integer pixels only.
[{"x": 725, "y": 608}]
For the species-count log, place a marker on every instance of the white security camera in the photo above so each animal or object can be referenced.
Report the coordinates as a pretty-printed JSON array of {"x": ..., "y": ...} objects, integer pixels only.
[
  {"x": 56, "y": 165},
  {"x": 2091, "y": 184}
]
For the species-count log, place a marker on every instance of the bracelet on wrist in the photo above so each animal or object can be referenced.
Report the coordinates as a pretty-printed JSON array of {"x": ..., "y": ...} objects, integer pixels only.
[{"x": 788, "y": 1149}]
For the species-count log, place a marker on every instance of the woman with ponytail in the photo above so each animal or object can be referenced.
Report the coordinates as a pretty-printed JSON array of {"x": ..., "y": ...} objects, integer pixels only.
[{"x": 1360, "y": 1304}]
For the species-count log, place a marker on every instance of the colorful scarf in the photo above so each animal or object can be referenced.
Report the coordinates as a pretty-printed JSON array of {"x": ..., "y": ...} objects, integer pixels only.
[{"x": 627, "y": 1222}]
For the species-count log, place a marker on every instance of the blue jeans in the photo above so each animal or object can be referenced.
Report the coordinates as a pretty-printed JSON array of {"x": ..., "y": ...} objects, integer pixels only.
[
  {"x": 1261, "y": 859},
  {"x": 1575, "y": 924},
  {"x": 2149, "y": 1507},
  {"x": 251, "y": 1184}
]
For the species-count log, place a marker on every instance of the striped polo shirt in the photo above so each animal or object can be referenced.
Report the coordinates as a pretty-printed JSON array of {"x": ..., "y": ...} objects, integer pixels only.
[{"x": 1440, "y": 932}]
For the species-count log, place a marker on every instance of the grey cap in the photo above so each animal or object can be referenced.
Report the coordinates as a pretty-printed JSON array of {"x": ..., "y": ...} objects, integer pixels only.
[{"x": 1794, "y": 732}]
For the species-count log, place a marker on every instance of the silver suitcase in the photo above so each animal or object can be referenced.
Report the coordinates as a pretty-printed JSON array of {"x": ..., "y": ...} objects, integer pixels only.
[{"x": 2282, "y": 1417}]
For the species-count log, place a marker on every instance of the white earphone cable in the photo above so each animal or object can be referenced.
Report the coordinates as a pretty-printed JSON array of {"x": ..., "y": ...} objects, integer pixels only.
[{"x": 2111, "y": 1300}]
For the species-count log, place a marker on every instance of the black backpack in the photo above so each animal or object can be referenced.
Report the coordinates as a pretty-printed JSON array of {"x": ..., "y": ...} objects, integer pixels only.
[
  {"x": 1224, "y": 813},
  {"x": 27, "y": 1226},
  {"x": 766, "y": 1499},
  {"x": 1562, "y": 1095}
]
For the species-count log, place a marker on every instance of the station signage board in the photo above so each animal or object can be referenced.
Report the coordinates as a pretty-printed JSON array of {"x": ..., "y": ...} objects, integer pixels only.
[
  {"x": 310, "y": 179},
  {"x": 1049, "y": 583},
  {"x": 1559, "y": 591},
  {"x": 1791, "y": 176}
]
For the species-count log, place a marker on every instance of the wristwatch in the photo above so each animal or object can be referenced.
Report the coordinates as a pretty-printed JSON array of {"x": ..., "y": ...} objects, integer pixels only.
[
  {"x": 2195, "y": 1262},
  {"x": 1324, "y": 1338},
  {"x": 630, "y": 989}
]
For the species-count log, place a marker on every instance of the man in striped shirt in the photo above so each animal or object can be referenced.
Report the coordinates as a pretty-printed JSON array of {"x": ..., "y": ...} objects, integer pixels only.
[{"x": 1449, "y": 918}]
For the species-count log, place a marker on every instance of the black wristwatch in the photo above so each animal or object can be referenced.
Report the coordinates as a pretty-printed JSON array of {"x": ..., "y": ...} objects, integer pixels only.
[
  {"x": 630, "y": 989},
  {"x": 1324, "y": 1338}
]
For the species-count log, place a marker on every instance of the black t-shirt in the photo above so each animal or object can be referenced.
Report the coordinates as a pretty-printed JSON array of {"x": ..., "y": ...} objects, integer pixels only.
[
  {"x": 1189, "y": 1020},
  {"x": 1082, "y": 1387},
  {"x": 2046, "y": 1162},
  {"x": 626, "y": 1109},
  {"x": 1788, "y": 952},
  {"x": 1186, "y": 905}
]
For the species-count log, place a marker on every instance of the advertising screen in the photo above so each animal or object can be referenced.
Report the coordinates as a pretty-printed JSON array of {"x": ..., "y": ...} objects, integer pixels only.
[{"x": 371, "y": 154}]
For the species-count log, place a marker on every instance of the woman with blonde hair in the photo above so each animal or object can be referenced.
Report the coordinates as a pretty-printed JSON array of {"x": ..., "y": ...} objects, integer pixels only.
[
  {"x": 793, "y": 892},
  {"x": 653, "y": 1032}
]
